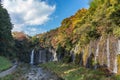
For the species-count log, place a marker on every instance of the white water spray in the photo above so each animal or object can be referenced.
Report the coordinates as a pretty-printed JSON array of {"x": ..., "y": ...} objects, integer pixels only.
[
  {"x": 108, "y": 54},
  {"x": 115, "y": 65},
  {"x": 32, "y": 57}
]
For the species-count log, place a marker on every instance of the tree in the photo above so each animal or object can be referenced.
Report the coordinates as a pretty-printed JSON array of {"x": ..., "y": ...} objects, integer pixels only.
[{"x": 6, "y": 39}]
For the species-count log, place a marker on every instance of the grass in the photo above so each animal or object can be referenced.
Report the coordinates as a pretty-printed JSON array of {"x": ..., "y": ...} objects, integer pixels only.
[
  {"x": 74, "y": 72},
  {"x": 18, "y": 74},
  {"x": 4, "y": 63}
]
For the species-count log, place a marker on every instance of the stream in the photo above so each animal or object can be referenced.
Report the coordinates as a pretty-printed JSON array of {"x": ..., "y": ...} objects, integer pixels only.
[{"x": 37, "y": 73}]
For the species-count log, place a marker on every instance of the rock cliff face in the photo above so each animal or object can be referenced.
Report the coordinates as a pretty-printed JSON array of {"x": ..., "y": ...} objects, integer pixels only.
[
  {"x": 43, "y": 55},
  {"x": 104, "y": 52},
  {"x": 101, "y": 52}
]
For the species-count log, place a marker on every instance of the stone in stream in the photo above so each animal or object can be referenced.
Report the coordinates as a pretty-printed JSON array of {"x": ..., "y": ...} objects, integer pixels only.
[{"x": 36, "y": 73}]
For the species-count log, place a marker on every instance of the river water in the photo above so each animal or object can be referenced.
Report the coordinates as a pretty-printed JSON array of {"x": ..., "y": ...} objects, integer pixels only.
[{"x": 37, "y": 73}]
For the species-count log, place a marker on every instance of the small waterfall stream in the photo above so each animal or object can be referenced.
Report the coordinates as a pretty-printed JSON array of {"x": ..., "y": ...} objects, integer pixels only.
[
  {"x": 118, "y": 47},
  {"x": 97, "y": 52},
  {"x": 96, "y": 55},
  {"x": 108, "y": 53},
  {"x": 54, "y": 55},
  {"x": 32, "y": 57},
  {"x": 115, "y": 69},
  {"x": 115, "y": 65}
]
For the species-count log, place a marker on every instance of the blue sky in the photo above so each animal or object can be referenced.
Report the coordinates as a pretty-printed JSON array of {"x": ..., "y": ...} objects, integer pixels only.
[{"x": 38, "y": 16}]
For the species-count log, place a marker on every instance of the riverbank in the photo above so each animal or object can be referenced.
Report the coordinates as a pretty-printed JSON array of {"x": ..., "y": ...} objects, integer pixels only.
[
  {"x": 28, "y": 72},
  {"x": 75, "y": 72},
  {"x": 8, "y": 71}
]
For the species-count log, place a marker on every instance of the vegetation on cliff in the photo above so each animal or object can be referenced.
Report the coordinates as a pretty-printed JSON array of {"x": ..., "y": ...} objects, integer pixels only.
[{"x": 88, "y": 30}]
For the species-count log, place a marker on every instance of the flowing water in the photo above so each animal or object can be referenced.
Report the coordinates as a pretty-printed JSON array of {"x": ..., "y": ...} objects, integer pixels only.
[
  {"x": 115, "y": 69},
  {"x": 96, "y": 55},
  {"x": 54, "y": 55},
  {"x": 108, "y": 54},
  {"x": 37, "y": 73},
  {"x": 115, "y": 65},
  {"x": 118, "y": 46},
  {"x": 32, "y": 57}
]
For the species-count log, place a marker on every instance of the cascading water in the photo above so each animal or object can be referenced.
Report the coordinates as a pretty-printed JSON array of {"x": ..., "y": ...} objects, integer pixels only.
[
  {"x": 115, "y": 69},
  {"x": 115, "y": 65},
  {"x": 96, "y": 55},
  {"x": 118, "y": 47},
  {"x": 108, "y": 54},
  {"x": 54, "y": 55},
  {"x": 97, "y": 52},
  {"x": 32, "y": 57}
]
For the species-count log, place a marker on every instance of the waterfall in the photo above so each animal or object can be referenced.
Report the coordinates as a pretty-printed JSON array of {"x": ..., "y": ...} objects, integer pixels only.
[
  {"x": 115, "y": 65},
  {"x": 108, "y": 54},
  {"x": 115, "y": 69},
  {"x": 118, "y": 47},
  {"x": 96, "y": 55},
  {"x": 54, "y": 55},
  {"x": 32, "y": 57},
  {"x": 90, "y": 49},
  {"x": 97, "y": 52},
  {"x": 54, "y": 58}
]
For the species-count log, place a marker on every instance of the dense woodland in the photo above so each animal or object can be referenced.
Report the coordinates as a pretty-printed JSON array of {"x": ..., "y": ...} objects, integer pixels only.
[{"x": 6, "y": 39}]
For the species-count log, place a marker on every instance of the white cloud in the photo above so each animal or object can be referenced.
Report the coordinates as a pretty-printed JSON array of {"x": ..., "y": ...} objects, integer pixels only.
[
  {"x": 32, "y": 31},
  {"x": 28, "y": 12}
]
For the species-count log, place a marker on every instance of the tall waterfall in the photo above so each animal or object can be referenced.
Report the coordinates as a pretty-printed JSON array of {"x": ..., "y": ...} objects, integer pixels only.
[
  {"x": 96, "y": 55},
  {"x": 108, "y": 53},
  {"x": 54, "y": 56},
  {"x": 97, "y": 52},
  {"x": 115, "y": 69},
  {"x": 32, "y": 57},
  {"x": 118, "y": 47},
  {"x": 115, "y": 65}
]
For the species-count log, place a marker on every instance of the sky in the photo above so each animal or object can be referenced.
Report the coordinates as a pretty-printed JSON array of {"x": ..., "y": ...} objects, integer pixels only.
[{"x": 38, "y": 16}]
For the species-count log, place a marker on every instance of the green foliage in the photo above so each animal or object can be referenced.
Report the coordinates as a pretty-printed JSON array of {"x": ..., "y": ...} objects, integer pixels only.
[
  {"x": 23, "y": 49},
  {"x": 116, "y": 32},
  {"x": 4, "y": 63},
  {"x": 6, "y": 39},
  {"x": 74, "y": 72}
]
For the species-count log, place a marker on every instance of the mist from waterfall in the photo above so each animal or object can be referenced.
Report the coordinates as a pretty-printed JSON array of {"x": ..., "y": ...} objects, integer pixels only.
[
  {"x": 32, "y": 57},
  {"x": 108, "y": 54}
]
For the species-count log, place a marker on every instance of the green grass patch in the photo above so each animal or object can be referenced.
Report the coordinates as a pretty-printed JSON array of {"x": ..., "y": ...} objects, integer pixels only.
[
  {"x": 4, "y": 63},
  {"x": 18, "y": 74},
  {"x": 75, "y": 72}
]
